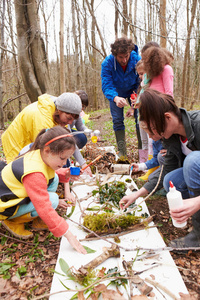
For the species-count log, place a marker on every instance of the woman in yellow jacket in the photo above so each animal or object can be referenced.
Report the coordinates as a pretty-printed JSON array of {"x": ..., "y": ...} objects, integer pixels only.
[{"x": 47, "y": 112}]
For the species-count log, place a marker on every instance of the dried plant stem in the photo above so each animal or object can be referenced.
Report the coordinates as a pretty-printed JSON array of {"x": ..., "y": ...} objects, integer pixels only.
[
  {"x": 163, "y": 288},
  {"x": 115, "y": 235},
  {"x": 135, "y": 207}
]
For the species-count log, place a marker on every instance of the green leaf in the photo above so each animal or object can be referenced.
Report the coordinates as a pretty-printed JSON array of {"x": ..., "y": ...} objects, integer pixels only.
[
  {"x": 64, "y": 267},
  {"x": 69, "y": 215},
  {"x": 4, "y": 267},
  {"x": 22, "y": 270},
  {"x": 74, "y": 297},
  {"x": 94, "y": 208},
  {"x": 7, "y": 276},
  {"x": 89, "y": 250},
  {"x": 94, "y": 192},
  {"x": 64, "y": 285}
]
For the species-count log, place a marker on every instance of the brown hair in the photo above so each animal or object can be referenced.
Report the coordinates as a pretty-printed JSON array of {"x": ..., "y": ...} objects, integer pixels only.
[
  {"x": 154, "y": 59},
  {"x": 152, "y": 109},
  {"x": 57, "y": 146},
  {"x": 122, "y": 45},
  {"x": 83, "y": 95},
  {"x": 148, "y": 45},
  {"x": 139, "y": 65},
  {"x": 56, "y": 116}
]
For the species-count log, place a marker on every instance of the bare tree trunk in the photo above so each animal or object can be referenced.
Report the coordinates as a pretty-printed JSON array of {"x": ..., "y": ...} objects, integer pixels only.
[
  {"x": 1, "y": 63},
  {"x": 18, "y": 87},
  {"x": 131, "y": 19},
  {"x": 187, "y": 90},
  {"x": 94, "y": 58},
  {"x": 97, "y": 27},
  {"x": 197, "y": 62},
  {"x": 162, "y": 16},
  {"x": 45, "y": 29},
  {"x": 125, "y": 13},
  {"x": 116, "y": 19},
  {"x": 86, "y": 55},
  {"x": 69, "y": 68},
  {"x": 79, "y": 42},
  {"x": 149, "y": 14},
  {"x": 31, "y": 49},
  {"x": 194, "y": 5},
  {"x": 56, "y": 79},
  {"x": 62, "y": 67},
  {"x": 76, "y": 52},
  {"x": 135, "y": 21}
]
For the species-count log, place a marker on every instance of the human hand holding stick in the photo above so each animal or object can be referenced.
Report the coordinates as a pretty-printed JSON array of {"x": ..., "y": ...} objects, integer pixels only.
[{"x": 97, "y": 158}]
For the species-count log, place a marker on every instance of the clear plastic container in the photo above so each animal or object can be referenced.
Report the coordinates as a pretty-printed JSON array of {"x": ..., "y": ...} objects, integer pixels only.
[{"x": 175, "y": 200}]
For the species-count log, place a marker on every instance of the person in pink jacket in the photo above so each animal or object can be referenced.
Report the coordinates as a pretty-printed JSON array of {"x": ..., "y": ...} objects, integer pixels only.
[{"x": 158, "y": 76}]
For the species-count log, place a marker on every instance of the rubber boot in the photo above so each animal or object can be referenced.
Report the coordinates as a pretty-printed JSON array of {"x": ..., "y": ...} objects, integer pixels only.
[
  {"x": 121, "y": 143},
  {"x": 143, "y": 155},
  {"x": 192, "y": 239},
  {"x": 16, "y": 226},
  {"x": 146, "y": 175},
  {"x": 138, "y": 138},
  {"x": 38, "y": 224}
]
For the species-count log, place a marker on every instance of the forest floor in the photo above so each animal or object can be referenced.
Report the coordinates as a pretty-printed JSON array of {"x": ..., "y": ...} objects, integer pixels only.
[{"x": 26, "y": 267}]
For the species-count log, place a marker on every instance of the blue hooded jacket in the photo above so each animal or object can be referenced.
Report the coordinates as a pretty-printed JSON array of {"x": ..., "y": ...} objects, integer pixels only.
[{"x": 116, "y": 82}]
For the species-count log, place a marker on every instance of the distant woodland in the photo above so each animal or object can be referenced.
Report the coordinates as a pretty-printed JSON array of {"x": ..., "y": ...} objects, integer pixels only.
[{"x": 32, "y": 29}]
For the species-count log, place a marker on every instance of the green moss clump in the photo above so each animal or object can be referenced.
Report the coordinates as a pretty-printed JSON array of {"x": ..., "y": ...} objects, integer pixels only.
[
  {"x": 111, "y": 192},
  {"x": 105, "y": 221},
  {"x": 85, "y": 280}
]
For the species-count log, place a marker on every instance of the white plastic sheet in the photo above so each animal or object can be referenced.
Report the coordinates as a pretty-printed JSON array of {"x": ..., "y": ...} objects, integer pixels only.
[{"x": 165, "y": 273}]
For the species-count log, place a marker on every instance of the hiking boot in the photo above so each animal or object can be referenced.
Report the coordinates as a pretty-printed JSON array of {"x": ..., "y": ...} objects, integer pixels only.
[
  {"x": 16, "y": 226},
  {"x": 121, "y": 142}
]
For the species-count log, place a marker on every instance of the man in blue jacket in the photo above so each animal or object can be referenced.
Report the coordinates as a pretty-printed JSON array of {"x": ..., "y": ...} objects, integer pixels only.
[{"x": 119, "y": 80}]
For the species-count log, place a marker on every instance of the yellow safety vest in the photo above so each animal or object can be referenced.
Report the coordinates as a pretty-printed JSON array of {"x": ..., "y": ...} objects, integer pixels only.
[{"x": 12, "y": 191}]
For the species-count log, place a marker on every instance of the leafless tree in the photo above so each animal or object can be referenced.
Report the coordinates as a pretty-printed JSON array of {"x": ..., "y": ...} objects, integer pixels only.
[
  {"x": 62, "y": 66},
  {"x": 194, "y": 5},
  {"x": 31, "y": 50},
  {"x": 1, "y": 61},
  {"x": 162, "y": 17}
]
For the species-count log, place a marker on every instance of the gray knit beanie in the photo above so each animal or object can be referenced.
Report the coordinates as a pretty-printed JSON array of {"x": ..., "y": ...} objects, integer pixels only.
[{"x": 69, "y": 103}]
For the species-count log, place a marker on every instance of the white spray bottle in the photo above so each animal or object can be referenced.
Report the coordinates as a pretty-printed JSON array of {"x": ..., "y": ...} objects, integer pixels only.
[{"x": 175, "y": 200}]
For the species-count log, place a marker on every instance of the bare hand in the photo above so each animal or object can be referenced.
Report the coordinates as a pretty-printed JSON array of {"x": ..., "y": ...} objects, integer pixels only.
[
  {"x": 130, "y": 112},
  {"x": 71, "y": 201},
  {"x": 87, "y": 171},
  {"x": 163, "y": 152},
  {"x": 189, "y": 208},
  {"x": 135, "y": 167},
  {"x": 127, "y": 200},
  {"x": 120, "y": 102},
  {"x": 75, "y": 243},
  {"x": 63, "y": 204},
  {"x": 133, "y": 102}
]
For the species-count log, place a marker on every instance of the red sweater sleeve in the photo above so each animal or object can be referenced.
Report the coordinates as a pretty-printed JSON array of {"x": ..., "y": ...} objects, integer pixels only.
[
  {"x": 61, "y": 174},
  {"x": 36, "y": 187}
]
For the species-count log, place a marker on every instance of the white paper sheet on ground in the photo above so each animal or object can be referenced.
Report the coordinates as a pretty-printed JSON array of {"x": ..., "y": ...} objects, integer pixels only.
[{"x": 166, "y": 273}]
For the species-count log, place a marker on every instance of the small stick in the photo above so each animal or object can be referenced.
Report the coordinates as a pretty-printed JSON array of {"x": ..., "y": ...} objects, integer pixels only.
[
  {"x": 97, "y": 158},
  {"x": 113, "y": 251},
  {"x": 115, "y": 235},
  {"x": 160, "y": 286}
]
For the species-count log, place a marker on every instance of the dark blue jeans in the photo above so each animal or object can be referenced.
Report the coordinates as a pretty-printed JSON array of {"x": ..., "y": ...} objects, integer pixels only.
[
  {"x": 81, "y": 141},
  {"x": 186, "y": 179},
  {"x": 118, "y": 116}
]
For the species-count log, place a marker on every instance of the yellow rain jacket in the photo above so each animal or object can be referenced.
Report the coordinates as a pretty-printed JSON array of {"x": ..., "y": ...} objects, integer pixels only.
[
  {"x": 26, "y": 126},
  {"x": 12, "y": 191}
]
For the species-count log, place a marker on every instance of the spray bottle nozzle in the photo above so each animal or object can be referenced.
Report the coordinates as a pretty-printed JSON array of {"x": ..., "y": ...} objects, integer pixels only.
[{"x": 171, "y": 184}]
